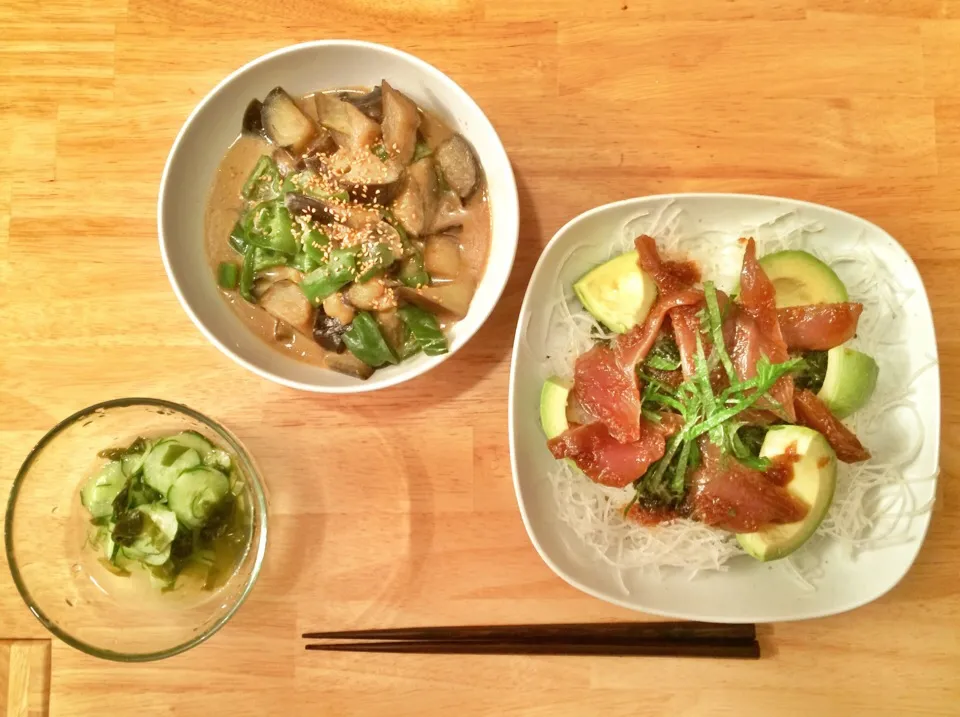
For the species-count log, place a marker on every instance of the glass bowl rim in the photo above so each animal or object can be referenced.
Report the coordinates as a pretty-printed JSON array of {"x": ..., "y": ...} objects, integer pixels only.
[{"x": 257, "y": 490}]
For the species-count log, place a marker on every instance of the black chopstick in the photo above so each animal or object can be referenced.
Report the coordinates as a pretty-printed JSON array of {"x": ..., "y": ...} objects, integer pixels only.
[
  {"x": 734, "y": 649},
  {"x": 681, "y": 639},
  {"x": 564, "y": 632}
]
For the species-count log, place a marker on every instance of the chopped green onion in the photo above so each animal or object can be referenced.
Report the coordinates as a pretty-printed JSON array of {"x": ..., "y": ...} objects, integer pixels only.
[{"x": 420, "y": 151}]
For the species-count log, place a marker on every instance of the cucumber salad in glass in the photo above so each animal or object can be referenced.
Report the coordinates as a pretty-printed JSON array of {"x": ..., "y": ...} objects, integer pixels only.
[{"x": 172, "y": 508}]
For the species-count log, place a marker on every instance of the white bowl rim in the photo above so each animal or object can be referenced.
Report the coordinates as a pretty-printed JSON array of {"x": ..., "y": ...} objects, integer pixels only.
[
  {"x": 361, "y": 386},
  {"x": 531, "y": 533}
]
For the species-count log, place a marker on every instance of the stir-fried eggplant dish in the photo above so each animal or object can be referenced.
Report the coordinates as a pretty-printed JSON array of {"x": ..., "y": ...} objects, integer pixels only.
[
  {"x": 721, "y": 408},
  {"x": 349, "y": 228}
]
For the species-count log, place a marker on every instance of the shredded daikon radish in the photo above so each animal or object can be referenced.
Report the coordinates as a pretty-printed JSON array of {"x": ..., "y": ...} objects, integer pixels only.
[{"x": 873, "y": 501}]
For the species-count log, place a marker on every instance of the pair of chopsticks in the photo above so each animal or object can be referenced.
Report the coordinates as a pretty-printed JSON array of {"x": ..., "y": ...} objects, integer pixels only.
[{"x": 666, "y": 639}]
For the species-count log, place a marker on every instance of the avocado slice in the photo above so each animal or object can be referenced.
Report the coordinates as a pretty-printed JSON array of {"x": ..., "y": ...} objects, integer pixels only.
[
  {"x": 814, "y": 480},
  {"x": 618, "y": 293},
  {"x": 553, "y": 406},
  {"x": 800, "y": 278},
  {"x": 849, "y": 382}
]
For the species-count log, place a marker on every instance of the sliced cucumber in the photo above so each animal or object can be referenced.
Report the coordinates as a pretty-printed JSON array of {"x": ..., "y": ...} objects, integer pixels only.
[
  {"x": 195, "y": 494},
  {"x": 152, "y": 545},
  {"x": 109, "y": 546},
  {"x": 147, "y": 558},
  {"x": 166, "y": 461},
  {"x": 192, "y": 439},
  {"x": 218, "y": 458},
  {"x": 133, "y": 462},
  {"x": 100, "y": 490}
]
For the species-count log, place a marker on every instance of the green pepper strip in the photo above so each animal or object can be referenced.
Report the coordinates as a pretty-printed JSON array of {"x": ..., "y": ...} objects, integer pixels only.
[
  {"x": 306, "y": 182},
  {"x": 303, "y": 263},
  {"x": 409, "y": 346},
  {"x": 364, "y": 340},
  {"x": 330, "y": 277},
  {"x": 412, "y": 273},
  {"x": 263, "y": 184},
  {"x": 227, "y": 275},
  {"x": 266, "y": 259},
  {"x": 382, "y": 258},
  {"x": 238, "y": 238},
  {"x": 426, "y": 330},
  {"x": 313, "y": 241},
  {"x": 246, "y": 275},
  {"x": 268, "y": 225}
]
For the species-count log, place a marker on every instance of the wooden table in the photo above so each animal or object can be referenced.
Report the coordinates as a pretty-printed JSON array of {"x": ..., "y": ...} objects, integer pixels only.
[{"x": 851, "y": 103}]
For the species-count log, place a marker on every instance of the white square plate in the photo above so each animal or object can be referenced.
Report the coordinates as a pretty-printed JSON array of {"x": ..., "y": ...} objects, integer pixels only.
[{"x": 746, "y": 590}]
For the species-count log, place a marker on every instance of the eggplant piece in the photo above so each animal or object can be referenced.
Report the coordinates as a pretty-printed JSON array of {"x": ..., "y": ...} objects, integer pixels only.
[
  {"x": 287, "y": 163},
  {"x": 459, "y": 166},
  {"x": 370, "y": 103},
  {"x": 372, "y": 295},
  {"x": 350, "y": 127},
  {"x": 407, "y": 207},
  {"x": 450, "y": 213},
  {"x": 328, "y": 331},
  {"x": 433, "y": 131},
  {"x": 323, "y": 143},
  {"x": 252, "y": 122},
  {"x": 367, "y": 178},
  {"x": 355, "y": 216},
  {"x": 268, "y": 277},
  {"x": 286, "y": 302},
  {"x": 308, "y": 107},
  {"x": 335, "y": 306},
  {"x": 441, "y": 257},
  {"x": 401, "y": 119},
  {"x": 322, "y": 211},
  {"x": 451, "y": 299},
  {"x": 283, "y": 122},
  {"x": 283, "y": 333},
  {"x": 347, "y": 363},
  {"x": 424, "y": 173},
  {"x": 302, "y": 205},
  {"x": 392, "y": 327}
]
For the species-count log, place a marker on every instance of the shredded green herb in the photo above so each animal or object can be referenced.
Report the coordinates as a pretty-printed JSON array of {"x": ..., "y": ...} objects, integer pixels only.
[
  {"x": 704, "y": 412},
  {"x": 664, "y": 356},
  {"x": 716, "y": 330},
  {"x": 814, "y": 371}
]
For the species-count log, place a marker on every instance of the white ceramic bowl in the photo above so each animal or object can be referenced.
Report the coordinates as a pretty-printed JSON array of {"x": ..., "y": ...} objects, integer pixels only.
[
  {"x": 215, "y": 124},
  {"x": 747, "y": 591}
]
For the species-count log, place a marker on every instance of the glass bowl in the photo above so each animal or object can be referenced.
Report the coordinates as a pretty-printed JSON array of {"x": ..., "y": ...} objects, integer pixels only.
[{"x": 60, "y": 576}]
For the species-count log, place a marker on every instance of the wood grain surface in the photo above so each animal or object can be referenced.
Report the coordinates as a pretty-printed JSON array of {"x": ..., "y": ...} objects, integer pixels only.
[{"x": 397, "y": 508}]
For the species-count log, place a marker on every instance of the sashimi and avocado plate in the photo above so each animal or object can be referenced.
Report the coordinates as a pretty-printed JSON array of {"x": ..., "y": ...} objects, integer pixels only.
[
  {"x": 620, "y": 294},
  {"x": 721, "y": 382}
]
